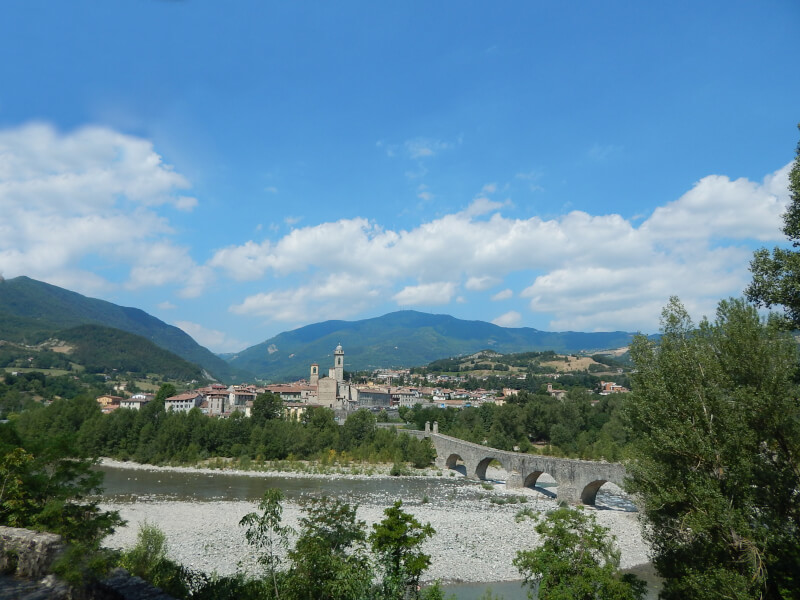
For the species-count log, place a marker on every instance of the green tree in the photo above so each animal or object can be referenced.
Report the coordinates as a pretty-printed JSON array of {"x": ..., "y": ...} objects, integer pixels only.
[
  {"x": 776, "y": 277},
  {"x": 266, "y": 407},
  {"x": 397, "y": 542},
  {"x": 266, "y": 534},
  {"x": 148, "y": 560},
  {"x": 329, "y": 560},
  {"x": 577, "y": 561},
  {"x": 715, "y": 428}
]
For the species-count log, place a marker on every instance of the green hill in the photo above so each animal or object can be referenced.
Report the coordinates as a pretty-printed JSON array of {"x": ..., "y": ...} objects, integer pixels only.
[
  {"x": 404, "y": 338},
  {"x": 104, "y": 350},
  {"x": 32, "y": 311}
]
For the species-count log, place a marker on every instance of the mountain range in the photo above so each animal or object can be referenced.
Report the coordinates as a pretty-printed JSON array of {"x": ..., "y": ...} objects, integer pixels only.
[
  {"x": 404, "y": 338},
  {"x": 32, "y": 311}
]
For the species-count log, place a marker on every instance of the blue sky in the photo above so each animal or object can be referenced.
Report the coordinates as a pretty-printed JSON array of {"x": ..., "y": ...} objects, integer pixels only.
[{"x": 244, "y": 168}]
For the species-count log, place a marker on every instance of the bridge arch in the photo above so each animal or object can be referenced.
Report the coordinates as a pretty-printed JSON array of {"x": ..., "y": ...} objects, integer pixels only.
[
  {"x": 589, "y": 492},
  {"x": 532, "y": 478},
  {"x": 452, "y": 463},
  {"x": 480, "y": 469}
]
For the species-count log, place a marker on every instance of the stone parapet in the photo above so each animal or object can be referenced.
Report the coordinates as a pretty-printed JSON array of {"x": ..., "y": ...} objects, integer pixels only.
[{"x": 28, "y": 554}]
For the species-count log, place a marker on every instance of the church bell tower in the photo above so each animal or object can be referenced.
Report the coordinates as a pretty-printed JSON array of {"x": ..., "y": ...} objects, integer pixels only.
[{"x": 338, "y": 363}]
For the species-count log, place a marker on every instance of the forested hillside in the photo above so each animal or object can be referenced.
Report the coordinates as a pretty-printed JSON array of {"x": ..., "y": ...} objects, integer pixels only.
[{"x": 33, "y": 311}]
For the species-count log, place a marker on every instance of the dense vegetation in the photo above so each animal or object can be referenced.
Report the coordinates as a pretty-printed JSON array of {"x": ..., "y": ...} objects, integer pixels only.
[
  {"x": 715, "y": 422},
  {"x": 581, "y": 425},
  {"x": 32, "y": 311},
  {"x": 106, "y": 350},
  {"x": 26, "y": 391},
  {"x": 153, "y": 435}
]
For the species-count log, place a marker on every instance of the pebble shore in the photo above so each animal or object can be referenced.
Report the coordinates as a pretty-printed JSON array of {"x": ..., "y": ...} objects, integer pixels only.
[{"x": 475, "y": 540}]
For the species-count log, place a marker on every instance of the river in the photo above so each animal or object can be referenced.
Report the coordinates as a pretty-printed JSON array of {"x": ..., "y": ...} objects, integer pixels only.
[{"x": 475, "y": 541}]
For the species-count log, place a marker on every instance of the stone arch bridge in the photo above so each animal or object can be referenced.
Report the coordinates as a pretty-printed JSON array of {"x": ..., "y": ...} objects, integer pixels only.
[{"x": 577, "y": 480}]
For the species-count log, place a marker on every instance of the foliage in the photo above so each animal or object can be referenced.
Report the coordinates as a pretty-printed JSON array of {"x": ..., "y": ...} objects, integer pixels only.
[
  {"x": 148, "y": 560},
  {"x": 266, "y": 534},
  {"x": 776, "y": 277},
  {"x": 577, "y": 561},
  {"x": 106, "y": 350},
  {"x": 266, "y": 407},
  {"x": 397, "y": 541},
  {"x": 44, "y": 487},
  {"x": 715, "y": 421},
  {"x": 329, "y": 559},
  {"x": 581, "y": 425}
]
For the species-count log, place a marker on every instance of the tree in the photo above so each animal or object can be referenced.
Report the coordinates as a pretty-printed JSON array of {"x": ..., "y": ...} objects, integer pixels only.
[
  {"x": 397, "y": 541},
  {"x": 329, "y": 559},
  {"x": 715, "y": 428},
  {"x": 266, "y": 533},
  {"x": 776, "y": 277},
  {"x": 577, "y": 561},
  {"x": 148, "y": 560},
  {"x": 266, "y": 407}
]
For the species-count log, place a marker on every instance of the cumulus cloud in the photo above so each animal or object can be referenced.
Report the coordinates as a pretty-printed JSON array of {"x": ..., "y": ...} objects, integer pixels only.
[
  {"x": 586, "y": 271},
  {"x": 503, "y": 295},
  {"x": 89, "y": 193},
  {"x": 735, "y": 209},
  {"x": 426, "y": 294},
  {"x": 214, "y": 340},
  {"x": 478, "y": 284},
  {"x": 510, "y": 319},
  {"x": 324, "y": 297}
]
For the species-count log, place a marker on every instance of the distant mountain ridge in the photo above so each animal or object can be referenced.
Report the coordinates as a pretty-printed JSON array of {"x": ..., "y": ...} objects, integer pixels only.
[
  {"x": 404, "y": 338},
  {"x": 31, "y": 311}
]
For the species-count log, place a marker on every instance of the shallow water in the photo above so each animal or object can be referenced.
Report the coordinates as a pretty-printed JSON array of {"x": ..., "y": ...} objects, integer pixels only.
[{"x": 125, "y": 485}]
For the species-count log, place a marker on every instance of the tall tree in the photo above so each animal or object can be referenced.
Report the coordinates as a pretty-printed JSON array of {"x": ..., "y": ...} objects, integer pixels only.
[
  {"x": 397, "y": 541},
  {"x": 776, "y": 277},
  {"x": 715, "y": 422}
]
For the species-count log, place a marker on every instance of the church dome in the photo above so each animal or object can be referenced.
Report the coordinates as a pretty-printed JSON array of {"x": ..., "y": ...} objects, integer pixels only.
[{"x": 339, "y": 348}]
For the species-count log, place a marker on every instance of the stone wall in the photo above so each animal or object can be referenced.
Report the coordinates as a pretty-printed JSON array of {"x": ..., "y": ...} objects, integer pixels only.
[
  {"x": 26, "y": 566},
  {"x": 28, "y": 554}
]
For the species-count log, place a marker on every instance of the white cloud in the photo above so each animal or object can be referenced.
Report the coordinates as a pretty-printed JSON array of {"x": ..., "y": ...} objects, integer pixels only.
[
  {"x": 426, "y": 294},
  {"x": 586, "y": 271},
  {"x": 214, "y": 340},
  {"x": 736, "y": 209},
  {"x": 325, "y": 297},
  {"x": 503, "y": 295},
  {"x": 166, "y": 305},
  {"x": 478, "y": 284},
  {"x": 90, "y": 193},
  {"x": 510, "y": 319}
]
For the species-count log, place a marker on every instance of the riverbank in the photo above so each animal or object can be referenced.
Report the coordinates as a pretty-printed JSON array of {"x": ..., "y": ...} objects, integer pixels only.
[
  {"x": 288, "y": 469},
  {"x": 476, "y": 539}
]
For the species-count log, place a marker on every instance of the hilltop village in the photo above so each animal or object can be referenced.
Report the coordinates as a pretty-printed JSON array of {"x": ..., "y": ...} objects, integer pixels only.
[{"x": 334, "y": 392}]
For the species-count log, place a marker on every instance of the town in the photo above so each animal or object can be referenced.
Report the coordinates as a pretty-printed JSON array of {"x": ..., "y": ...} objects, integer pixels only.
[{"x": 377, "y": 394}]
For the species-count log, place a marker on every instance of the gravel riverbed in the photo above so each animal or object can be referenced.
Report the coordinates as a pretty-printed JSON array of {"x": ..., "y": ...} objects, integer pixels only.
[{"x": 475, "y": 539}]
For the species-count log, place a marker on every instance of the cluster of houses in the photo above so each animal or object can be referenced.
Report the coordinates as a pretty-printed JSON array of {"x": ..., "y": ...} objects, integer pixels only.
[{"x": 332, "y": 392}]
